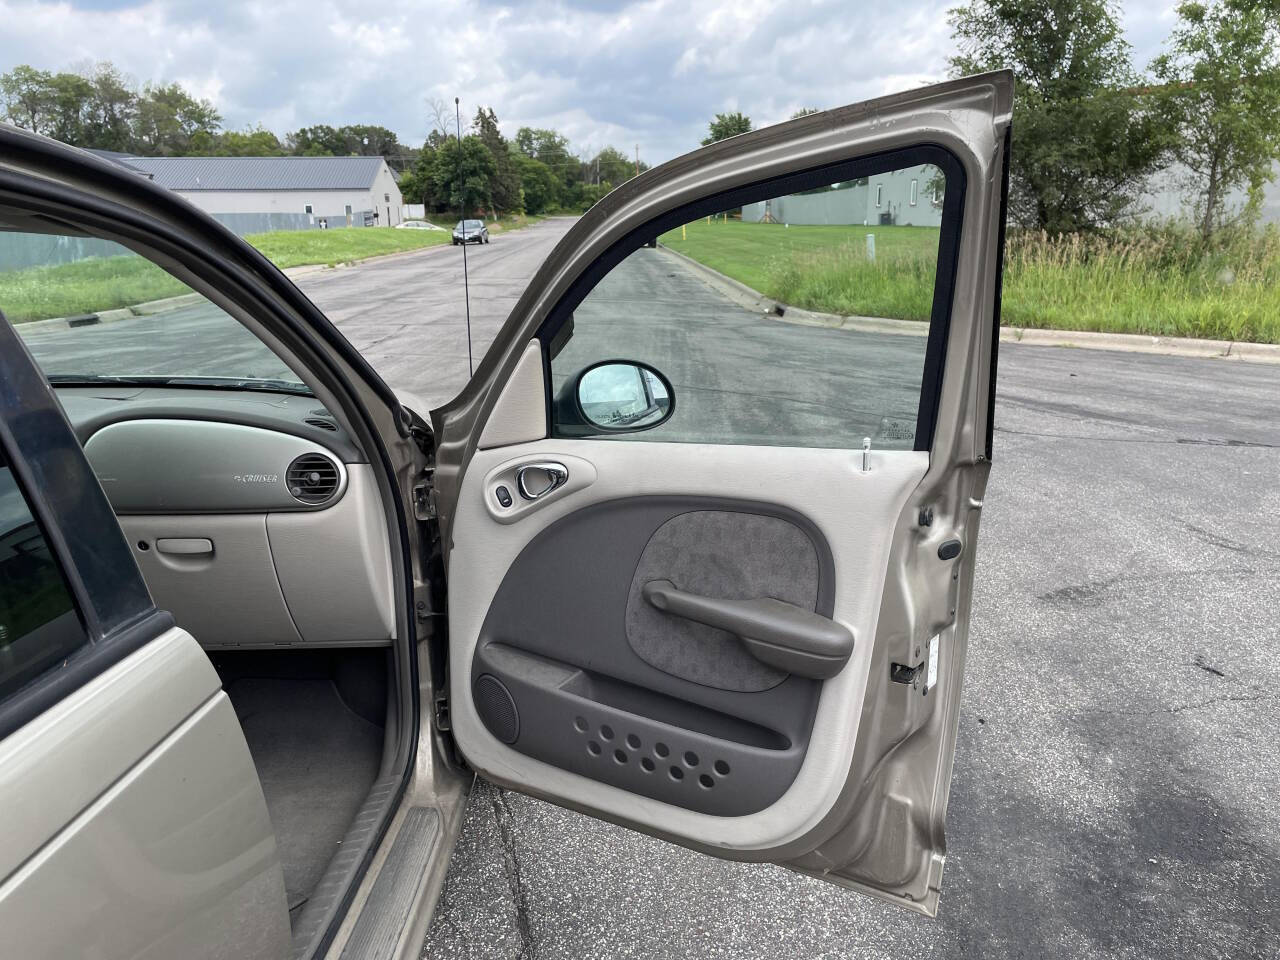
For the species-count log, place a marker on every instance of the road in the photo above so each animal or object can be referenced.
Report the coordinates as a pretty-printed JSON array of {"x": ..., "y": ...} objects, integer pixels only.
[{"x": 1116, "y": 773}]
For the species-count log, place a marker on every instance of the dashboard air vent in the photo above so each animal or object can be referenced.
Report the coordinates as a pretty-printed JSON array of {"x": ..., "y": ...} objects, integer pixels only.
[
  {"x": 312, "y": 478},
  {"x": 322, "y": 423}
]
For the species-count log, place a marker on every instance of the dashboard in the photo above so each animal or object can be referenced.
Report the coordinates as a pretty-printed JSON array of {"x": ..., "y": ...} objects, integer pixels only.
[{"x": 254, "y": 517}]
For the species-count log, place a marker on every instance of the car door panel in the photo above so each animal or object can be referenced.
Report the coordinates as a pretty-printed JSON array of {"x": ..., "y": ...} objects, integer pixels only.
[
  {"x": 555, "y": 647},
  {"x": 174, "y": 858},
  {"x": 514, "y": 591}
]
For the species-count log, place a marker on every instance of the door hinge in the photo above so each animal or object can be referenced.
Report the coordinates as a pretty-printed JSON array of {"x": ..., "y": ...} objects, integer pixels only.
[
  {"x": 442, "y": 713},
  {"x": 424, "y": 496}
]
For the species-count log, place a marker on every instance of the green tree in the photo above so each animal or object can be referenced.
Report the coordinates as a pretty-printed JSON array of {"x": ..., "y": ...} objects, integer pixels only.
[
  {"x": 613, "y": 166},
  {"x": 538, "y": 184},
  {"x": 251, "y": 142},
  {"x": 552, "y": 149},
  {"x": 804, "y": 112},
  {"x": 111, "y": 109},
  {"x": 353, "y": 140},
  {"x": 462, "y": 172},
  {"x": 1221, "y": 77},
  {"x": 1086, "y": 141},
  {"x": 417, "y": 184},
  {"x": 320, "y": 140},
  {"x": 167, "y": 118},
  {"x": 27, "y": 95},
  {"x": 726, "y": 125},
  {"x": 504, "y": 188}
]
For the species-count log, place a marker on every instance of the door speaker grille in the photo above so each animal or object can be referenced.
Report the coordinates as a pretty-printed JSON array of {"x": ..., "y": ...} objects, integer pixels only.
[
  {"x": 312, "y": 478},
  {"x": 496, "y": 707}
]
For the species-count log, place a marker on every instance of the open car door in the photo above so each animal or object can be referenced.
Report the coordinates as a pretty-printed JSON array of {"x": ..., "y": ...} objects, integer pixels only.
[{"x": 710, "y": 555}]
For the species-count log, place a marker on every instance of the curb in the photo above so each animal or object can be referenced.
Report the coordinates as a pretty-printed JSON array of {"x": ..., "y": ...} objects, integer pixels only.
[
  {"x": 1237, "y": 350},
  {"x": 147, "y": 309}
]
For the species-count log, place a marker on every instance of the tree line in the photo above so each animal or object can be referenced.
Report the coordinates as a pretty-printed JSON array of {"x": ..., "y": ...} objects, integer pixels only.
[
  {"x": 534, "y": 172},
  {"x": 99, "y": 107}
]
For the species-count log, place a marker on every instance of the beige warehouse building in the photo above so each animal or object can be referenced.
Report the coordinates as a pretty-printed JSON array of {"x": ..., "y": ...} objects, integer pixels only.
[{"x": 251, "y": 194}]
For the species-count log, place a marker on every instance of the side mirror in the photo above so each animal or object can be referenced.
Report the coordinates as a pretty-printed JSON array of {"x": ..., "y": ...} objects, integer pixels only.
[{"x": 615, "y": 396}]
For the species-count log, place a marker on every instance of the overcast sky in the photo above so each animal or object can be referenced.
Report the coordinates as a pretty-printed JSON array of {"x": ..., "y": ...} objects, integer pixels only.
[{"x": 607, "y": 72}]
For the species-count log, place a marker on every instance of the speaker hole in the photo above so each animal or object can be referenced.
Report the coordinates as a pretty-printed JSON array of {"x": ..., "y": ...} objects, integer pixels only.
[
  {"x": 593, "y": 748},
  {"x": 606, "y": 733},
  {"x": 661, "y": 750},
  {"x": 690, "y": 758},
  {"x": 676, "y": 774},
  {"x": 646, "y": 765},
  {"x": 722, "y": 768},
  {"x": 580, "y": 724},
  {"x": 706, "y": 782},
  {"x": 633, "y": 741},
  {"x": 619, "y": 756}
]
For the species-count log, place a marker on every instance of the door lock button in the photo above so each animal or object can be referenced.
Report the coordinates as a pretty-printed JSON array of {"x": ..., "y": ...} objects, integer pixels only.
[{"x": 504, "y": 496}]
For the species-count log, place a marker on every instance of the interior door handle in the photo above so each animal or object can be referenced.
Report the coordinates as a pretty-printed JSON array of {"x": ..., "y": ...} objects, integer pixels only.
[
  {"x": 535, "y": 480},
  {"x": 780, "y": 634}
]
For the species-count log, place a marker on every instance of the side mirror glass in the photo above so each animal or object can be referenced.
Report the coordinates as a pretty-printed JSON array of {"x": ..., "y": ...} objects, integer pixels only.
[{"x": 619, "y": 395}]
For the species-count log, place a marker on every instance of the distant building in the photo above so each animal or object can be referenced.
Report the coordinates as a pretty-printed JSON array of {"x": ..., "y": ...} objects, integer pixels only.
[
  {"x": 251, "y": 194},
  {"x": 1166, "y": 197},
  {"x": 898, "y": 197}
]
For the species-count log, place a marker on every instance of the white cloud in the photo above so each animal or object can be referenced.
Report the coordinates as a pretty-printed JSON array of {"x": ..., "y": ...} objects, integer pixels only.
[{"x": 601, "y": 71}]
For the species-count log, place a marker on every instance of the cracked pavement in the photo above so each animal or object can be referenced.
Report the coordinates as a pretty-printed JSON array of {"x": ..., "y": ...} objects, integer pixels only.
[{"x": 1116, "y": 773}]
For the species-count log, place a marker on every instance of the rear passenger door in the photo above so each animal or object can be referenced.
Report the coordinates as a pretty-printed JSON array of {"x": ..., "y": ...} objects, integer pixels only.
[
  {"x": 134, "y": 822},
  {"x": 712, "y": 506}
]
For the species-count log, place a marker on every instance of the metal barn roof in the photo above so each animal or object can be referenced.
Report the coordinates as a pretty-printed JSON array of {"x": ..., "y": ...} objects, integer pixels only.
[{"x": 258, "y": 173}]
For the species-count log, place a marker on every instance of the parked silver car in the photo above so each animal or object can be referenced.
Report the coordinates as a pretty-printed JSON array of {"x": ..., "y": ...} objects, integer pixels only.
[
  {"x": 262, "y": 623},
  {"x": 470, "y": 231}
]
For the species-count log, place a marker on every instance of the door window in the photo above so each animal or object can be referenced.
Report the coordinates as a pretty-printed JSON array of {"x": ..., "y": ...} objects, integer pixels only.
[
  {"x": 795, "y": 318},
  {"x": 39, "y": 624}
]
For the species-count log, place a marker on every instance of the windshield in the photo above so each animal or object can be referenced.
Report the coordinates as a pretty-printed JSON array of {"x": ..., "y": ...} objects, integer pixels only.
[
  {"x": 93, "y": 311},
  {"x": 470, "y": 224}
]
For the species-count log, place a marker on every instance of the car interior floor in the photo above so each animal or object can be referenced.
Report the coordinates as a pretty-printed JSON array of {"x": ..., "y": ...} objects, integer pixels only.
[{"x": 315, "y": 721}]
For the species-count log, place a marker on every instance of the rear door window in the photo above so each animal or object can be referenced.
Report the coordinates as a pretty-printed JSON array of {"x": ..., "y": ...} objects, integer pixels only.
[{"x": 39, "y": 624}]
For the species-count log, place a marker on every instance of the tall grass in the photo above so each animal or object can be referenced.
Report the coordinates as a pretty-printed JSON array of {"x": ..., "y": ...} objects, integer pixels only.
[
  {"x": 1153, "y": 280},
  {"x": 1159, "y": 281},
  {"x": 843, "y": 280},
  {"x": 86, "y": 286}
]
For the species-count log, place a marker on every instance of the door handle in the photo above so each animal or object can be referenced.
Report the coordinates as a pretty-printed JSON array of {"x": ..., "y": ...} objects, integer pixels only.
[
  {"x": 185, "y": 546},
  {"x": 532, "y": 486},
  {"x": 780, "y": 634}
]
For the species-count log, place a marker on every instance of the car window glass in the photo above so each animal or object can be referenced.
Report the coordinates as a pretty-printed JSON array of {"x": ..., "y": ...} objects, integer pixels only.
[
  {"x": 795, "y": 320},
  {"x": 39, "y": 625},
  {"x": 90, "y": 309}
]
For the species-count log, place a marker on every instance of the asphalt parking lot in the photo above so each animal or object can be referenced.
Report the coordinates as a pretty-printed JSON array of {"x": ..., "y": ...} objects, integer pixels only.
[
  {"x": 1116, "y": 779},
  {"x": 1116, "y": 776}
]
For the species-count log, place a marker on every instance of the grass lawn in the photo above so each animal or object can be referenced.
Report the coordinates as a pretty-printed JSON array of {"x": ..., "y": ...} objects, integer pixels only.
[
  {"x": 1158, "y": 281},
  {"x": 86, "y": 286},
  {"x": 296, "y": 248},
  {"x": 513, "y": 221},
  {"x": 108, "y": 283}
]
